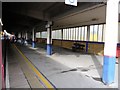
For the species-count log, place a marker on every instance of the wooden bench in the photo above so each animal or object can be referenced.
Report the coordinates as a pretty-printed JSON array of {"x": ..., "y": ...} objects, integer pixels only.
[{"x": 77, "y": 47}]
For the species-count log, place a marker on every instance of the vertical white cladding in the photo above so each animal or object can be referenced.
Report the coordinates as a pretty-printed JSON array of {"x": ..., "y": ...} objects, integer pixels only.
[
  {"x": 111, "y": 34},
  {"x": 88, "y": 33},
  {"x": 119, "y": 24},
  {"x": 26, "y": 34},
  {"x": 49, "y": 34},
  {"x": 33, "y": 35}
]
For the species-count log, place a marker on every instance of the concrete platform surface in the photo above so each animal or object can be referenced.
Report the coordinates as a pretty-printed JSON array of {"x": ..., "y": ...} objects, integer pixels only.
[
  {"x": 66, "y": 69},
  {"x": 16, "y": 75}
]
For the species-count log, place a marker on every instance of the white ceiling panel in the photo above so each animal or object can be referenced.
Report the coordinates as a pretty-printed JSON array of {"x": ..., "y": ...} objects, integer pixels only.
[{"x": 93, "y": 16}]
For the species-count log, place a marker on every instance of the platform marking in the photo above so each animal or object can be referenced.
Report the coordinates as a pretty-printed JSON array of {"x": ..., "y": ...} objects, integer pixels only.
[{"x": 42, "y": 78}]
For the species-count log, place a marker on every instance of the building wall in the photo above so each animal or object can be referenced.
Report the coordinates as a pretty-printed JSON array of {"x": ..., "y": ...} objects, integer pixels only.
[
  {"x": 57, "y": 42},
  {"x": 93, "y": 47}
]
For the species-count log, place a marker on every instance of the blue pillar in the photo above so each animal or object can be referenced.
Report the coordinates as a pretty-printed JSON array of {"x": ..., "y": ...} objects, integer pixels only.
[
  {"x": 49, "y": 49},
  {"x": 49, "y": 38},
  {"x": 111, "y": 38},
  {"x": 33, "y": 44},
  {"x": 33, "y": 38},
  {"x": 109, "y": 69}
]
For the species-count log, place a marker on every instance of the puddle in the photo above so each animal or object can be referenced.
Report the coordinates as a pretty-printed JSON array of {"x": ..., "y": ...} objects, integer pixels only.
[
  {"x": 97, "y": 79},
  {"x": 76, "y": 69},
  {"x": 69, "y": 70},
  {"x": 84, "y": 70},
  {"x": 87, "y": 76}
]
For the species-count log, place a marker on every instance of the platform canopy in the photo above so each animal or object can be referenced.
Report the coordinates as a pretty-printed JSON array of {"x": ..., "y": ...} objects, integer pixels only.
[{"x": 26, "y": 15}]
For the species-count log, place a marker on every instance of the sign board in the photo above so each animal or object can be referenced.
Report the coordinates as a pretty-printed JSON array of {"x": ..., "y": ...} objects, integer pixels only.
[{"x": 71, "y": 2}]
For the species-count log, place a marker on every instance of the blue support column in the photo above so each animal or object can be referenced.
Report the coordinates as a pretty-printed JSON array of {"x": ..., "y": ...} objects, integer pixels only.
[
  {"x": 49, "y": 49},
  {"x": 33, "y": 44},
  {"x": 49, "y": 38},
  {"x": 33, "y": 38},
  {"x": 111, "y": 39},
  {"x": 108, "y": 69}
]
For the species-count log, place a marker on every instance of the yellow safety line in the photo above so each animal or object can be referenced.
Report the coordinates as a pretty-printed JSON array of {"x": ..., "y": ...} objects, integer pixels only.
[{"x": 42, "y": 78}]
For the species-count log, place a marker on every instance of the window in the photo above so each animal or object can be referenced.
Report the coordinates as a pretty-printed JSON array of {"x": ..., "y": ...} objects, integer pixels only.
[
  {"x": 56, "y": 34},
  {"x": 85, "y": 33},
  {"x": 91, "y": 32},
  {"x": 104, "y": 29},
  {"x": 63, "y": 34},
  {"x": 71, "y": 34},
  {"x": 67, "y": 32},
  {"x": 100, "y": 31},
  {"x": 82, "y": 33},
  {"x": 77, "y": 33},
  {"x": 95, "y": 34},
  {"x": 44, "y": 34},
  {"x": 53, "y": 35},
  {"x": 37, "y": 34},
  {"x": 79, "y": 37},
  {"x": 74, "y": 33}
]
